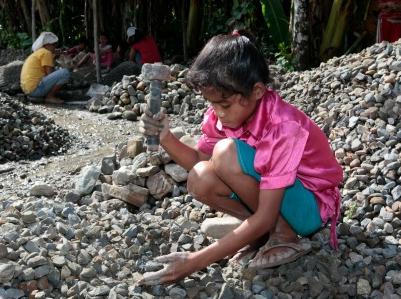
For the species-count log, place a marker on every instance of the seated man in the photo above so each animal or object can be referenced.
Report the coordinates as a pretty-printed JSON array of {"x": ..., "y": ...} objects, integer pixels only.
[{"x": 38, "y": 77}]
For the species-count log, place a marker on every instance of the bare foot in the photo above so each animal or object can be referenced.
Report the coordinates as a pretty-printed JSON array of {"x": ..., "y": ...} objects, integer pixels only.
[{"x": 54, "y": 100}]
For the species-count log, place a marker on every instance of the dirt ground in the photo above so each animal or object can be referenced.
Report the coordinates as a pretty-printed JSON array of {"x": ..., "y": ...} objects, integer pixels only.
[{"x": 94, "y": 137}]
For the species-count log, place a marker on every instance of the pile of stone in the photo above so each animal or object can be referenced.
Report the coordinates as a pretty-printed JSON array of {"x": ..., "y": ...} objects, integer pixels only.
[
  {"x": 8, "y": 55},
  {"x": 133, "y": 175},
  {"x": 127, "y": 99},
  {"x": 26, "y": 134},
  {"x": 356, "y": 99}
]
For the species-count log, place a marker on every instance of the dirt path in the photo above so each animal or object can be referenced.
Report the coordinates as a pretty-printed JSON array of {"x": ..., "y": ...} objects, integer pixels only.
[{"x": 94, "y": 137}]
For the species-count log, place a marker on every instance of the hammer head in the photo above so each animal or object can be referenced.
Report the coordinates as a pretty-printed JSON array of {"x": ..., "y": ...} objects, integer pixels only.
[{"x": 155, "y": 71}]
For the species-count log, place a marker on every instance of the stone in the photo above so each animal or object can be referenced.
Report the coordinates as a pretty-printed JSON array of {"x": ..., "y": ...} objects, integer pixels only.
[
  {"x": 42, "y": 189},
  {"x": 177, "y": 172},
  {"x": 218, "y": 227},
  {"x": 132, "y": 194},
  {"x": 159, "y": 184},
  {"x": 86, "y": 180},
  {"x": 135, "y": 147}
]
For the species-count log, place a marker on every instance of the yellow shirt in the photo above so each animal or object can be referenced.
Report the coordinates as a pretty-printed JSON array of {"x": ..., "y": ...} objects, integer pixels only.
[{"x": 33, "y": 69}]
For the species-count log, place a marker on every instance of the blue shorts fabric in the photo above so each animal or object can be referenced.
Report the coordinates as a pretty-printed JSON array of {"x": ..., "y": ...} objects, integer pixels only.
[
  {"x": 298, "y": 206},
  {"x": 58, "y": 77}
]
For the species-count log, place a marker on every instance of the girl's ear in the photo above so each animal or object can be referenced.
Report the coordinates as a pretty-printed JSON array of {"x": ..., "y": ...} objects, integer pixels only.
[{"x": 258, "y": 90}]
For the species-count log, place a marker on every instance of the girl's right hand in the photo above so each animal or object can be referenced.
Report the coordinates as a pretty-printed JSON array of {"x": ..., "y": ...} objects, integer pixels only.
[{"x": 154, "y": 125}]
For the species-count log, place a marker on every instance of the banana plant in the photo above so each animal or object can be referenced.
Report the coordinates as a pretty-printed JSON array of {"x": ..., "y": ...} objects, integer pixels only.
[
  {"x": 334, "y": 32},
  {"x": 276, "y": 20}
]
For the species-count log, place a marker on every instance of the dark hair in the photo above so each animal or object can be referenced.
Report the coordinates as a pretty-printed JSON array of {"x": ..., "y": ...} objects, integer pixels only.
[
  {"x": 229, "y": 63},
  {"x": 139, "y": 34}
]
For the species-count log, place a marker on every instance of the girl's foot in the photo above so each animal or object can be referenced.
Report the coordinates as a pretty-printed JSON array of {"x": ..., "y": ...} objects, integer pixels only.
[
  {"x": 244, "y": 255},
  {"x": 54, "y": 100},
  {"x": 277, "y": 252}
]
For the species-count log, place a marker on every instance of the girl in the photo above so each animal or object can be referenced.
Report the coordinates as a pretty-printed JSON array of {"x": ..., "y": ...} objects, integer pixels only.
[{"x": 259, "y": 159}]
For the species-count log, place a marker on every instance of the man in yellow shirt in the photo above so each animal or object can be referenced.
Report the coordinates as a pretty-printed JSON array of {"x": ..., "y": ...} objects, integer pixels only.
[{"x": 38, "y": 77}]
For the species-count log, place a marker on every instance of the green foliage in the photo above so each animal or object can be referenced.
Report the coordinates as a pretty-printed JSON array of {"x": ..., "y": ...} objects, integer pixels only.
[
  {"x": 19, "y": 40},
  {"x": 276, "y": 20},
  {"x": 284, "y": 57},
  {"x": 350, "y": 213},
  {"x": 242, "y": 15}
]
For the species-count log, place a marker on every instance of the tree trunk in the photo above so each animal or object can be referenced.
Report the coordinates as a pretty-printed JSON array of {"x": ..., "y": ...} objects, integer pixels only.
[
  {"x": 184, "y": 30},
  {"x": 95, "y": 38},
  {"x": 299, "y": 29},
  {"x": 43, "y": 12},
  {"x": 194, "y": 22},
  {"x": 33, "y": 26},
  {"x": 100, "y": 16},
  {"x": 27, "y": 16}
]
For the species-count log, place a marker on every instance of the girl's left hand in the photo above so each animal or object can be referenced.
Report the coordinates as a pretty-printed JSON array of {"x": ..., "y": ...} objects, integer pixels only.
[{"x": 178, "y": 265}]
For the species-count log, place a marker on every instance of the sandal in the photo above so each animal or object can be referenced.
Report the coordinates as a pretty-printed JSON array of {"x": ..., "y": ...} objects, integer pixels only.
[{"x": 293, "y": 252}]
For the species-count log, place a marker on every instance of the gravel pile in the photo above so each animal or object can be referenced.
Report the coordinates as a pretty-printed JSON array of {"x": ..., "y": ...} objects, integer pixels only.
[
  {"x": 87, "y": 242},
  {"x": 7, "y": 55},
  {"x": 25, "y": 134},
  {"x": 127, "y": 99}
]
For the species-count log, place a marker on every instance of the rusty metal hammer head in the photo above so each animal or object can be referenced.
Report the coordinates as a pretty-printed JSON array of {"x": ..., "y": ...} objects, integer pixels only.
[{"x": 155, "y": 71}]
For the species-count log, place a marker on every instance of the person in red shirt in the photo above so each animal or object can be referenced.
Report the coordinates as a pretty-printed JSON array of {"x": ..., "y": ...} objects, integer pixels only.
[{"x": 143, "y": 47}]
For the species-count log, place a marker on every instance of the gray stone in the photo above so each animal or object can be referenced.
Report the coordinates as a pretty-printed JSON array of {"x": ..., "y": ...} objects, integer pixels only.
[
  {"x": 86, "y": 180},
  {"x": 42, "y": 189},
  {"x": 178, "y": 173},
  {"x": 218, "y": 227}
]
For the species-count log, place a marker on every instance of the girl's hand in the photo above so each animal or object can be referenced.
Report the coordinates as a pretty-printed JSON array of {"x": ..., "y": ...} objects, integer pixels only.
[
  {"x": 178, "y": 265},
  {"x": 152, "y": 125}
]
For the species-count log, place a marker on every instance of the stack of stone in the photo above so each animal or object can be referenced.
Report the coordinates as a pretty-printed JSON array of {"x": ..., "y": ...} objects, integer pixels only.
[
  {"x": 133, "y": 175},
  {"x": 25, "y": 134},
  {"x": 127, "y": 98},
  {"x": 356, "y": 99}
]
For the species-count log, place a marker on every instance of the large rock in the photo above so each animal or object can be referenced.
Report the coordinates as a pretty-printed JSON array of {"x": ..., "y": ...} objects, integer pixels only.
[
  {"x": 10, "y": 76},
  {"x": 132, "y": 194},
  {"x": 87, "y": 179},
  {"x": 218, "y": 227}
]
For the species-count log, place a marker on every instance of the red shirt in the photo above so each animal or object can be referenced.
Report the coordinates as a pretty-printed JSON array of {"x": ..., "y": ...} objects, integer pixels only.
[{"x": 148, "y": 50}]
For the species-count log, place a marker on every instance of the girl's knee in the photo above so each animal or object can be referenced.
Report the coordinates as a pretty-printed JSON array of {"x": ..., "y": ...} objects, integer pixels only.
[
  {"x": 200, "y": 179},
  {"x": 225, "y": 157}
]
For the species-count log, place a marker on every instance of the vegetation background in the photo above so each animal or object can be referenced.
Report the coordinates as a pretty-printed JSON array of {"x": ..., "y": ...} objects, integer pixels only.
[{"x": 296, "y": 34}]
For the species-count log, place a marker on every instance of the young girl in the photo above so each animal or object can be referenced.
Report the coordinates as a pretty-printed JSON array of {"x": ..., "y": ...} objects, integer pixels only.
[{"x": 259, "y": 159}]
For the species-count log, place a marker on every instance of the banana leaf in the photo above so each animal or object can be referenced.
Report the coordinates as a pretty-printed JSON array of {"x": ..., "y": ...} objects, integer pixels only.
[
  {"x": 276, "y": 20},
  {"x": 333, "y": 36}
]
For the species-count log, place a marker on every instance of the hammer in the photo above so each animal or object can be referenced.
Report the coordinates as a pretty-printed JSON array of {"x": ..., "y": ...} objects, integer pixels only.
[{"x": 155, "y": 73}]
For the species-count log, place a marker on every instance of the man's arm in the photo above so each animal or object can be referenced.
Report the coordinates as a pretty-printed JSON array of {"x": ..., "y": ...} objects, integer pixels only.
[{"x": 131, "y": 55}]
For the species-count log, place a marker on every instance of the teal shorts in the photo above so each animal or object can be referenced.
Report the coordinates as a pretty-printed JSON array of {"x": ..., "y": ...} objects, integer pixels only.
[{"x": 298, "y": 206}]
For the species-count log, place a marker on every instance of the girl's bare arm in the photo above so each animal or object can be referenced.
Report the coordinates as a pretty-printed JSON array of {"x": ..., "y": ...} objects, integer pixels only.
[
  {"x": 181, "y": 153},
  {"x": 182, "y": 264}
]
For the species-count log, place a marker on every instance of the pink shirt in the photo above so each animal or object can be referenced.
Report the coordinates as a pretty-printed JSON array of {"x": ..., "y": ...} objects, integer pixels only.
[{"x": 288, "y": 145}]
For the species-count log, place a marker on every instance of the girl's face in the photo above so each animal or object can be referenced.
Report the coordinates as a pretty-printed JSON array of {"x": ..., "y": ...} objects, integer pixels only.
[
  {"x": 232, "y": 110},
  {"x": 103, "y": 39}
]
